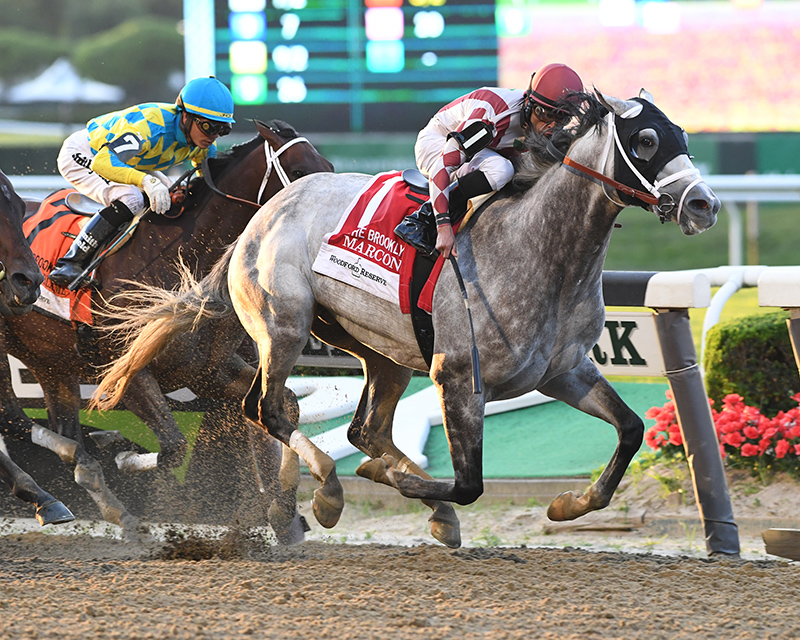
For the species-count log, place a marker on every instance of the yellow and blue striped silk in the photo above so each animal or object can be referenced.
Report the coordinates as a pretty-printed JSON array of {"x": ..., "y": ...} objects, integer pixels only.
[{"x": 163, "y": 143}]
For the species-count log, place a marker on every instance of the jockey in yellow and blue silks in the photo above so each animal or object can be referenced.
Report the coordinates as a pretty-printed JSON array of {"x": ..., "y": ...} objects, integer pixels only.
[{"x": 118, "y": 159}]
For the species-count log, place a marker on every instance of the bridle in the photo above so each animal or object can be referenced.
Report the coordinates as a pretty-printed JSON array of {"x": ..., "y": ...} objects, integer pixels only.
[
  {"x": 663, "y": 203},
  {"x": 273, "y": 162}
]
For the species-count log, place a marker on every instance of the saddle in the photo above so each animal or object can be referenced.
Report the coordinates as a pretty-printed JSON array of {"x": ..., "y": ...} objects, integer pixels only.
[
  {"x": 419, "y": 230},
  {"x": 81, "y": 204}
]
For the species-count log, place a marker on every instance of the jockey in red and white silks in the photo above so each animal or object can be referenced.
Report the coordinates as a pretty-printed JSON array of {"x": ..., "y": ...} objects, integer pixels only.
[
  {"x": 473, "y": 163},
  {"x": 443, "y": 160}
]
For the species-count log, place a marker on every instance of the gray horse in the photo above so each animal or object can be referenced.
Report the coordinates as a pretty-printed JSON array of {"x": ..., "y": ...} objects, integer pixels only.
[{"x": 532, "y": 260}]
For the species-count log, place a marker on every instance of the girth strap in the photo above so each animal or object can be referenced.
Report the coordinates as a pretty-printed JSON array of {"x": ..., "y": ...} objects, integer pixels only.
[{"x": 421, "y": 320}]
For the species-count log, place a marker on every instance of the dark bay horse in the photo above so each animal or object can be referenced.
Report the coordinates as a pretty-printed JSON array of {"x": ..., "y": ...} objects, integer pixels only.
[
  {"x": 20, "y": 279},
  {"x": 59, "y": 355},
  {"x": 532, "y": 259}
]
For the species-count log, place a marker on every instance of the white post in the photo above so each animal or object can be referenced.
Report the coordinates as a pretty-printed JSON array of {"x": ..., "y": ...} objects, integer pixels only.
[
  {"x": 734, "y": 234},
  {"x": 198, "y": 38}
]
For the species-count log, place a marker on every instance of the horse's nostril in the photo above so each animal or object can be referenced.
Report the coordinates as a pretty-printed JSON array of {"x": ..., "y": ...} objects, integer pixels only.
[{"x": 700, "y": 205}]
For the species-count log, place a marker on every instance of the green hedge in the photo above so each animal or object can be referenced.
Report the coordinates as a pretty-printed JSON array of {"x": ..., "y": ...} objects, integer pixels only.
[
  {"x": 752, "y": 357},
  {"x": 139, "y": 55}
]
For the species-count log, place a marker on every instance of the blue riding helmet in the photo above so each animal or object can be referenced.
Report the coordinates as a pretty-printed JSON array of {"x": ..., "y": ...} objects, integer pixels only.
[{"x": 207, "y": 97}]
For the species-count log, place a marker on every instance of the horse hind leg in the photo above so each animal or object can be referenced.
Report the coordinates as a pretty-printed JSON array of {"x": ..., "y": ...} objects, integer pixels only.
[
  {"x": 587, "y": 390},
  {"x": 88, "y": 473},
  {"x": 269, "y": 455},
  {"x": 266, "y": 408}
]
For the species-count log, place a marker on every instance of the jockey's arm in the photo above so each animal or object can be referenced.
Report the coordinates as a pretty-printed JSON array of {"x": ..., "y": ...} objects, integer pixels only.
[
  {"x": 110, "y": 167},
  {"x": 110, "y": 163},
  {"x": 471, "y": 136}
]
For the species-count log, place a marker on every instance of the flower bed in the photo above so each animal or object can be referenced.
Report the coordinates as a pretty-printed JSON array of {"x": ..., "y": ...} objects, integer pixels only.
[{"x": 747, "y": 438}]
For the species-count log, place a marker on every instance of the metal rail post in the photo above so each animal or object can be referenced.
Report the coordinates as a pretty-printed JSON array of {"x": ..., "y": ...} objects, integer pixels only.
[{"x": 697, "y": 429}]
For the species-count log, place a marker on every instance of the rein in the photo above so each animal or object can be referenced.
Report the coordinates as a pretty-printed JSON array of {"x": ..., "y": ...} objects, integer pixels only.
[
  {"x": 582, "y": 170},
  {"x": 273, "y": 161},
  {"x": 663, "y": 204}
]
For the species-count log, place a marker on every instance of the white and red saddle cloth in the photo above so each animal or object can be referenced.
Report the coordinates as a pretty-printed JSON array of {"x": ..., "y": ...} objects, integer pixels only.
[{"x": 363, "y": 250}]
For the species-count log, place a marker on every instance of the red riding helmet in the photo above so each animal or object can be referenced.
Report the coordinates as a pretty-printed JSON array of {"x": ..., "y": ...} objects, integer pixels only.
[{"x": 550, "y": 83}]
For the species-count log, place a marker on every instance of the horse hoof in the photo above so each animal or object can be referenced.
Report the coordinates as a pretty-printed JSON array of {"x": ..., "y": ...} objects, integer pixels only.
[
  {"x": 446, "y": 530},
  {"x": 329, "y": 501},
  {"x": 375, "y": 470},
  {"x": 54, "y": 513},
  {"x": 566, "y": 507},
  {"x": 288, "y": 527}
]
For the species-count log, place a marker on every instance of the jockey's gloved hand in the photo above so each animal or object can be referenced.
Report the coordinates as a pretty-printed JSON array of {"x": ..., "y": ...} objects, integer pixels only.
[{"x": 160, "y": 201}]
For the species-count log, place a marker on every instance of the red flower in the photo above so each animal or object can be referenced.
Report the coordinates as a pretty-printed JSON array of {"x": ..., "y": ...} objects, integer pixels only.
[
  {"x": 675, "y": 437},
  {"x": 782, "y": 448},
  {"x": 732, "y": 400},
  {"x": 734, "y": 439},
  {"x": 749, "y": 450},
  {"x": 743, "y": 431},
  {"x": 750, "y": 432}
]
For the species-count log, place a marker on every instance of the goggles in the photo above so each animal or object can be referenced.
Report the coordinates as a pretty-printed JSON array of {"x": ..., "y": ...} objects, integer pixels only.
[
  {"x": 211, "y": 128},
  {"x": 547, "y": 115}
]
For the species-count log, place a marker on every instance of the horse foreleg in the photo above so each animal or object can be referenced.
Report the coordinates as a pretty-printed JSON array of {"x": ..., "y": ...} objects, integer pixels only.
[
  {"x": 88, "y": 475},
  {"x": 48, "y": 509},
  {"x": 234, "y": 379},
  {"x": 371, "y": 428},
  {"x": 146, "y": 400},
  {"x": 587, "y": 390}
]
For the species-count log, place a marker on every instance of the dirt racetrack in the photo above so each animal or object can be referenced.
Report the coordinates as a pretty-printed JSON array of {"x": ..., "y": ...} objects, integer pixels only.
[{"x": 377, "y": 574}]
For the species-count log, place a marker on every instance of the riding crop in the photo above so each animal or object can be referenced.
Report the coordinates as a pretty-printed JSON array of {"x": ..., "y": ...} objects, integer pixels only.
[{"x": 476, "y": 365}]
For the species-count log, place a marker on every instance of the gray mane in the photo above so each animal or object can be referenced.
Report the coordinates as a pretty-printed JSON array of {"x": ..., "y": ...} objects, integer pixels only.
[{"x": 531, "y": 166}]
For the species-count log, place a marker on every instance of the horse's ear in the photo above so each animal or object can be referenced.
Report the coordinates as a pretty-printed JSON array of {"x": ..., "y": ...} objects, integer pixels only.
[
  {"x": 623, "y": 108},
  {"x": 263, "y": 129},
  {"x": 644, "y": 94}
]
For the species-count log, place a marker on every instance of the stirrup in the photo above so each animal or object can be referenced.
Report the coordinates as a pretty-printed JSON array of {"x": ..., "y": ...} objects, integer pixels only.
[{"x": 419, "y": 230}]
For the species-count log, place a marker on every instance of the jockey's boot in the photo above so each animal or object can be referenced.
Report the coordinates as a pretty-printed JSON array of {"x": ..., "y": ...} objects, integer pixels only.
[
  {"x": 93, "y": 234},
  {"x": 419, "y": 230},
  {"x": 469, "y": 186}
]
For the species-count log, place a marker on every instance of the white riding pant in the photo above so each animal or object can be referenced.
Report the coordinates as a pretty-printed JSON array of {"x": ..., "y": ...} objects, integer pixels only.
[
  {"x": 428, "y": 149},
  {"x": 74, "y": 163}
]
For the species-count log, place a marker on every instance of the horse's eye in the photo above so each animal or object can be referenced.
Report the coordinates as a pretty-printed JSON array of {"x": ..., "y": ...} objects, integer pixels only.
[
  {"x": 644, "y": 144},
  {"x": 297, "y": 174}
]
